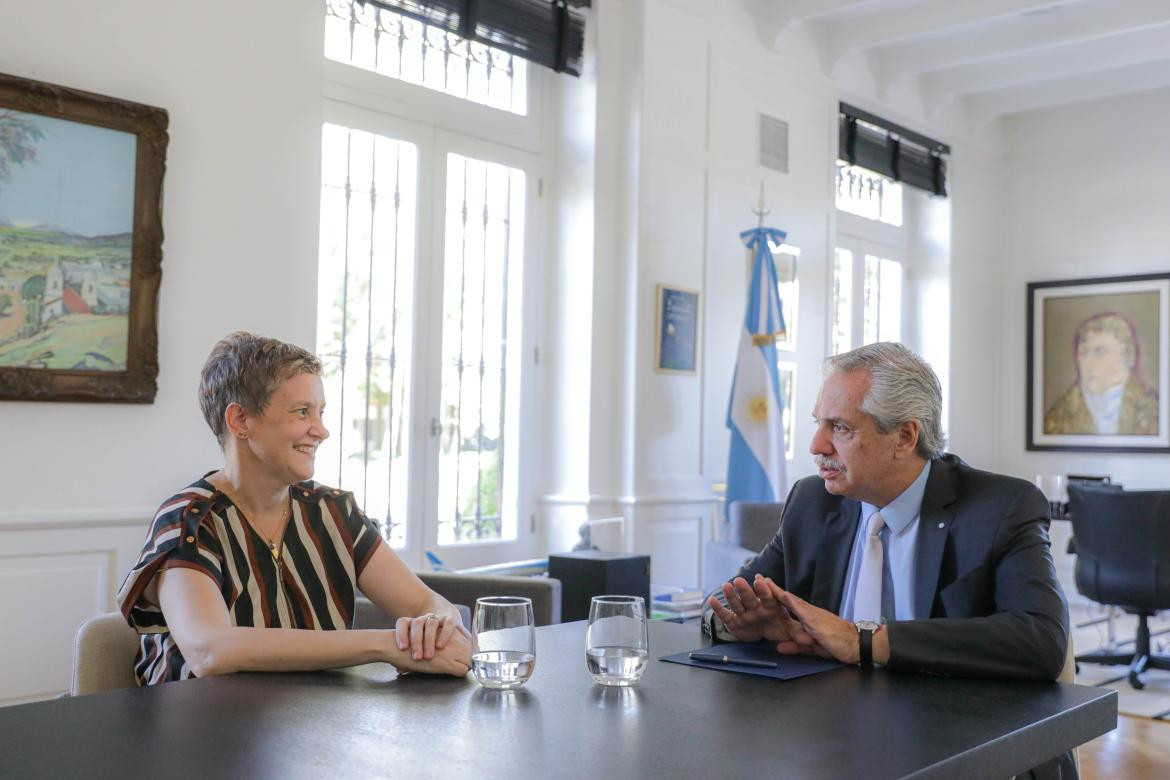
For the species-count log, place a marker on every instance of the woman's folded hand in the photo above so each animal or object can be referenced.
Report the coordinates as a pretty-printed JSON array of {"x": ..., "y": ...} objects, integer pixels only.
[
  {"x": 421, "y": 636},
  {"x": 453, "y": 658}
]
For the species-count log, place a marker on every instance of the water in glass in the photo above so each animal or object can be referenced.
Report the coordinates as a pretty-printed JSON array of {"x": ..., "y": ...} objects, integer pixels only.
[
  {"x": 617, "y": 644},
  {"x": 503, "y": 642},
  {"x": 502, "y": 668},
  {"x": 616, "y": 665}
]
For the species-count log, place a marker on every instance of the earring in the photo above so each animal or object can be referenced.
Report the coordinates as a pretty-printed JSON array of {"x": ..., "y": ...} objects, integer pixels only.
[{"x": 242, "y": 435}]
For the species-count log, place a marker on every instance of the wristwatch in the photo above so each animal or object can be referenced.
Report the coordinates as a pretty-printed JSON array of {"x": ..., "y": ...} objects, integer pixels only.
[{"x": 865, "y": 631}]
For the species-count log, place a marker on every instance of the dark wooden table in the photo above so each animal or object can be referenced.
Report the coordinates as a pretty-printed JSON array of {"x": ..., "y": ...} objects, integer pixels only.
[{"x": 678, "y": 722}]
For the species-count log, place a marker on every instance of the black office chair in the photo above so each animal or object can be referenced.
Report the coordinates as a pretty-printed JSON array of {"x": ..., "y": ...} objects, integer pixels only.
[
  {"x": 1103, "y": 482},
  {"x": 1123, "y": 559}
]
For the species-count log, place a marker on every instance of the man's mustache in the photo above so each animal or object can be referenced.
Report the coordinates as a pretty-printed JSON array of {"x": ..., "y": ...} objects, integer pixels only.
[{"x": 825, "y": 462}]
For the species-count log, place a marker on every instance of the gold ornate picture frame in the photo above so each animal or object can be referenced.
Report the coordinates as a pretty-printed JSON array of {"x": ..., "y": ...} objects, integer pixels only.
[{"x": 80, "y": 244}]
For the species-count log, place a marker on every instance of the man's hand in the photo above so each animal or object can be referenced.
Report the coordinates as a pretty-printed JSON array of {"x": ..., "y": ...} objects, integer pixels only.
[
  {"x": 753, "y": 612},
  {"x": 820, "y": 631}
]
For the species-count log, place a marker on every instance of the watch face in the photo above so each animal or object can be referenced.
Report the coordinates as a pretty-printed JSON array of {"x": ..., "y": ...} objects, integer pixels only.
[{"x": 867, "y": 625}]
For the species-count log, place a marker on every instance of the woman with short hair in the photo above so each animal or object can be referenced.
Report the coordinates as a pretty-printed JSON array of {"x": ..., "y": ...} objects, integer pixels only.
[{"x": 255, "y": 567}]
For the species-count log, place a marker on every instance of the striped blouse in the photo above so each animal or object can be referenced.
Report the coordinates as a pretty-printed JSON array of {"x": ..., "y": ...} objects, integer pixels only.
[{"x": 327, "y": 543}]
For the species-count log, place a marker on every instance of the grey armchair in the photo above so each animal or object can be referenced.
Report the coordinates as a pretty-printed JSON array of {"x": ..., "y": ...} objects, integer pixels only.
[
  {"x": 750, "y": 526},
  {"x": 464, "y": 589}
]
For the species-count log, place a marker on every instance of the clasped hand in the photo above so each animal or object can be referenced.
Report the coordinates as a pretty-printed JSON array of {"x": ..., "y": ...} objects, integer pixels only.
[
  {"x": 438, "y": 644},
  {"x": 763, "y": 610}
]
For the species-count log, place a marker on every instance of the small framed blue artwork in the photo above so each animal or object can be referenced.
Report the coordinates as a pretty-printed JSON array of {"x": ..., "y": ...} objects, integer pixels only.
[{"x": 676, "y": 348}]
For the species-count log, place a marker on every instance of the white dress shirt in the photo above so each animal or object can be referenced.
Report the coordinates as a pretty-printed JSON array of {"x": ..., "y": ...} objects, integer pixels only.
[{"x": 900, "y": 540}]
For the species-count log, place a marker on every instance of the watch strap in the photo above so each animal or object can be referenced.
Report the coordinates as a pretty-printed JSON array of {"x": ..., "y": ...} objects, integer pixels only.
[{"x": 865, "y": 646}]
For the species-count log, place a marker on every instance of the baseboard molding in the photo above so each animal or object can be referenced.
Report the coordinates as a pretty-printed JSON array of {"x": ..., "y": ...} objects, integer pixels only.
[{"x": 31, "y": 699}]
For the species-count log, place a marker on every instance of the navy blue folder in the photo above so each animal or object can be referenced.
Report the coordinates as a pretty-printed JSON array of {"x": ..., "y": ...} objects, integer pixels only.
[{"x": 788, "y": 667}]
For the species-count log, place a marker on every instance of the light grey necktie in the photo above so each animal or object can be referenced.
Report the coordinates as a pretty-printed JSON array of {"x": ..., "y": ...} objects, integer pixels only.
[{"x": 867, "y": 602}]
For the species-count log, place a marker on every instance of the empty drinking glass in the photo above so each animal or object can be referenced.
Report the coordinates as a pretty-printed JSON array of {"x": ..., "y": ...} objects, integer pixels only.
[
  {"x": 617, "y": 644},
  {"x": 503, "y": 642},
  {"x": 1052, "y": 486}
]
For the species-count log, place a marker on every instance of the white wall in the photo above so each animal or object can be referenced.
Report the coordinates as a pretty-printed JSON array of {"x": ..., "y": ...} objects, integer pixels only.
[
  {"x": 242, "y": 83},
  {"x": 978, "y": 259},
  {"x": 748, "y": 80},
  {"x": 787, "y": 81},
  {"x": 678, "y": 120},
  {"x": 1086, "y": 198}
]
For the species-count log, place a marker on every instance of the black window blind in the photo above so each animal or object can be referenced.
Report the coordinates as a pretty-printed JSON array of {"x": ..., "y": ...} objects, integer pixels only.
[
  {"x": 547, "y": 32},
  {"x": 892, "y": 150}
]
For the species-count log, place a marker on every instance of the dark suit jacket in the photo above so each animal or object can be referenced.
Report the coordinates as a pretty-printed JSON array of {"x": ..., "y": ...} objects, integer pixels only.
[{"x": 984, "y": 574}]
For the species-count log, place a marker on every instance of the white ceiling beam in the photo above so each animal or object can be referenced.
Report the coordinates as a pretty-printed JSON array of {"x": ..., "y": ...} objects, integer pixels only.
[
  {"x": 1086, "y": 57},
  {"x": 865, "y": 31},
  {"x": 1007, "y": 36},
  {"x": 801, "y": 10},
  {"x": 772, "y": 17},
  {"x": 986, "y": 106},
  {"x": 769, "y": 18}
]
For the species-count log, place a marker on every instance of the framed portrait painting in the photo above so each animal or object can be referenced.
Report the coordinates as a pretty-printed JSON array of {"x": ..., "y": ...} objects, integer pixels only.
[
  {"x": 676, "y": 347},
  {"x": 1098, "y": 364},
  {"x": 80, "y": 244}
]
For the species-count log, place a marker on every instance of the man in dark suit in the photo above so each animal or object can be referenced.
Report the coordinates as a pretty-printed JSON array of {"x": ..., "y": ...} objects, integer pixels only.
[{"x": 896, "y": 553}]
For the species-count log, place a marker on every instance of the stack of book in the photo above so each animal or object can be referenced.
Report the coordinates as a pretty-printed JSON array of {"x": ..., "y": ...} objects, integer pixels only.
[{"x": 677, "y": 604}]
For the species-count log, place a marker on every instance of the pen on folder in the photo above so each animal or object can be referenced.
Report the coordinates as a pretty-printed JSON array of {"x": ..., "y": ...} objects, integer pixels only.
[{"x": 713, "y": 658}]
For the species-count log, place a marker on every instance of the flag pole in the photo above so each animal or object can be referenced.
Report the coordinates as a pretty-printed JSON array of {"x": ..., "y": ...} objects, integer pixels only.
[{"x": 761, "y": 212}]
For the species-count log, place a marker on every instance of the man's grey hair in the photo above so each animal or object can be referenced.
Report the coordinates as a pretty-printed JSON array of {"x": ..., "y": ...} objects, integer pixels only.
[{"x": 902, "y": 387}]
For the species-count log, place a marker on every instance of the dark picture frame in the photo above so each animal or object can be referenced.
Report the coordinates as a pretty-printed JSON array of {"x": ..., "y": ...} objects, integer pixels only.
[
  {"x": 78, "y": 287},
  {"x": 1098, "y": 364},
  {"x": 676, "y": 337}
]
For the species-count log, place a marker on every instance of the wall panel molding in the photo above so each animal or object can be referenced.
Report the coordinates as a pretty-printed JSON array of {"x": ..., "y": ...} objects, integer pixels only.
[
  {"x": 628, "y": 501},
  {"x": 76, "y": 564},
  {"x": 62, "y": 519}
]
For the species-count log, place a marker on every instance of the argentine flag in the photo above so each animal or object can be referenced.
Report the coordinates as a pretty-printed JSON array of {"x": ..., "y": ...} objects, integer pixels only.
[{"x": 756, "y": 468}]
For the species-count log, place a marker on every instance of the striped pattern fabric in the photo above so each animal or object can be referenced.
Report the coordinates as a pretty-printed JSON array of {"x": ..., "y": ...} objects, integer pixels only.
[{"x": 327, "y": 543}]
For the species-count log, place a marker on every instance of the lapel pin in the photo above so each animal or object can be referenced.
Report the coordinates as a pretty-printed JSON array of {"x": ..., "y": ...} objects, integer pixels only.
[{"x": 942, "y": 525}]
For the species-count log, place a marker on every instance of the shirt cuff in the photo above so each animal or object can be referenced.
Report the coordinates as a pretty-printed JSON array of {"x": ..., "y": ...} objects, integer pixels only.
[{"x": 712, "y": 626}]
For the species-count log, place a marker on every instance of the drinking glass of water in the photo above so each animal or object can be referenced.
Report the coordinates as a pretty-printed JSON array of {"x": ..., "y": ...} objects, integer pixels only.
[
  {"x": 617, "y": 644},
  {"x": 503, "y": 642}
]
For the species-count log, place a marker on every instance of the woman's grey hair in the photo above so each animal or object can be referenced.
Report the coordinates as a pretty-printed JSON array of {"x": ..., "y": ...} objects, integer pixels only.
[
  {"x": 246, "y": 369},
  {"x": 902, "y": 387}
]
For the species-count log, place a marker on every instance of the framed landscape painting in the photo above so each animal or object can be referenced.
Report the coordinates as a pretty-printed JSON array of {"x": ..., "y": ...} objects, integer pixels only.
[
  {"x": 1099, "y": 364},
  {"x": 80, "y": 244}
]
